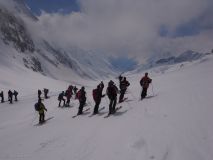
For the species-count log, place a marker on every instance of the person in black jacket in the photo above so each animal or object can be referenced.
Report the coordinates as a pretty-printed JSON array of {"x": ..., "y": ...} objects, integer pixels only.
[
  {"x": 97, "y": 95},
  {"x": 2, "y": 96},
  {"x": 15, "y": 93},
  {"x": 61, "y": 98},
  {"x": 75, "y": 89},
  {"x": 101, "y": 85},
  {"x": 112, "y": 95},
  {"x": 123, "y": 87},
  {"x": 39, "y": 94},
  {"x": 46, "y": 91},
  {"x": 82, "y": 100},
  {"x": 10, "y": 96}
]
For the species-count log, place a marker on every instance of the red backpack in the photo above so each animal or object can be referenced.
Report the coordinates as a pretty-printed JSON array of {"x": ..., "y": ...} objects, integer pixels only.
[
  {"x": 78, "y": 95},
  {"x": 94, "y": 94}
]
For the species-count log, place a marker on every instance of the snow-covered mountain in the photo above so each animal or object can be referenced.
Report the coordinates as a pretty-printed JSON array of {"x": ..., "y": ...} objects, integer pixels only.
[
  {"x": 172, "y": 123},
  {"x": 183, "y": 58},
  {"x": 17, "y": 7},
  {"x": 18, "y": 45}
]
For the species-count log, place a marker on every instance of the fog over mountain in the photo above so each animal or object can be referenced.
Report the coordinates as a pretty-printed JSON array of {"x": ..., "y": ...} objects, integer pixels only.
[
  {"x": 116, "y": 36},
  {"x": 137, "y": 28}
]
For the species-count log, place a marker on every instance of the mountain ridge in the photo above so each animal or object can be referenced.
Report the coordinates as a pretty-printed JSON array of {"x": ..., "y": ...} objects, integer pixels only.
[{"x": 40, "y": 54}]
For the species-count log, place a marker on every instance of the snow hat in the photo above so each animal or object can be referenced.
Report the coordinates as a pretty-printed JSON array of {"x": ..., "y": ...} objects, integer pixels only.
[{"x": 111, "y": 82}]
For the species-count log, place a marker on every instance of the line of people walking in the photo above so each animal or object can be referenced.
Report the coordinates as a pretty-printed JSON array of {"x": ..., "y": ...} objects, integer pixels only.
[
  {"x": 72, "y": 90},
  {"x": 10, "y": 96},
  {"x": 112, "y": 92}
]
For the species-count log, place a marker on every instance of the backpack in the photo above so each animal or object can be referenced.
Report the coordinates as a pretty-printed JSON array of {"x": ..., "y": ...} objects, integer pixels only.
[
  {"x": 37, "y": 107},
  {"x": 94, "y": 94},
  {"x": 61, "y": 96},
  {"x": 112, "y": 91},
  {"x": 78, "y": 95}
]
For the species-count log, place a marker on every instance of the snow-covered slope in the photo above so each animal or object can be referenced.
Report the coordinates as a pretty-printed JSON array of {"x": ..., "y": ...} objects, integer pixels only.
[
  {"x": 173, "y": 123},
  {"x": 18, "y": 43}
]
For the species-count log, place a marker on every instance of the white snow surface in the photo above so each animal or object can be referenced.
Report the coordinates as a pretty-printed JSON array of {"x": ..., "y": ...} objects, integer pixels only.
[{"x": 173, "y": 123}]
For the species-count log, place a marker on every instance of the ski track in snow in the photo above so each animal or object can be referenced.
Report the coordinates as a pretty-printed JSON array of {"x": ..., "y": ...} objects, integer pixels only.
[{"x": 172, "y": 123}]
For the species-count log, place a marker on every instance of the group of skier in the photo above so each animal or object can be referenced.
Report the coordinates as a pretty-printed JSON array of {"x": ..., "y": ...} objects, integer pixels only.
[
  {"x": 10, "y": 96},
  {"x": 72, "y": 90},
  {"x": 97, "y": 93}
]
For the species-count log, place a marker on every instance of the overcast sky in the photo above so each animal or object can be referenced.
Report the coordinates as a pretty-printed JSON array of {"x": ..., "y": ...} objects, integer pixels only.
[{"x": 135, "y": 27}]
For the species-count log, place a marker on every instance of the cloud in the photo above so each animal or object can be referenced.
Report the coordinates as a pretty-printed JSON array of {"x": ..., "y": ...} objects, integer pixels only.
[
  {"x": 129, "y": 27},
  {"x": 9, "y": 4}
]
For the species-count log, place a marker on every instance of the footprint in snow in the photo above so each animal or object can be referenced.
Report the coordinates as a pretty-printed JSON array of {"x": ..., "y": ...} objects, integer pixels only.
[{"x": 139, "y": 144}]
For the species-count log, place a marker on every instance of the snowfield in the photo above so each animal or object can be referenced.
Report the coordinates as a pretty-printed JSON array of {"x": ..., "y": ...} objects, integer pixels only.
[{"x": 173, "y": 123}]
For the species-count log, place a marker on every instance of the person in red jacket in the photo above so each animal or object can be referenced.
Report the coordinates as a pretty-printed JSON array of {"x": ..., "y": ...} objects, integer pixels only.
[
  {"x": 144, "y": 82},
  {"x": 68, "y": 94},
  {"x": 97, "y": 95}
]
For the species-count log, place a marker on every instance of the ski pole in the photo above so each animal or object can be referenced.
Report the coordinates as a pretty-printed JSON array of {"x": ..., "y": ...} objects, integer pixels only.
[
  {"x": 140, "y": 93},
  {"x": 153, "y": 90}
]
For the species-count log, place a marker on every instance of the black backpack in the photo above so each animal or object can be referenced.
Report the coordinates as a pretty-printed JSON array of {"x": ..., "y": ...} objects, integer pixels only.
[{"x": 60, "y": 96}]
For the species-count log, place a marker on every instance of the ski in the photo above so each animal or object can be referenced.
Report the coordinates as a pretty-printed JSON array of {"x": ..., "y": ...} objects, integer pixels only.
[
  {"x": 125, "y": 99},
  {"x": 39, "y": 124},
  {"x": 81, "y": 114},
  {"x": 102, "y": 108},
  {"x": 147, "y": 97},
  {"x": 116, "y": 109},
  {"x": 67, "y": 106}
]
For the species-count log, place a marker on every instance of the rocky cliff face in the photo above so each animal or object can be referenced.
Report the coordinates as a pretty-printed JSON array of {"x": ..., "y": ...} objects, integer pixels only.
[
  {"x": 42, "y": 56},
  {"x": 14, "y": 32}
]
